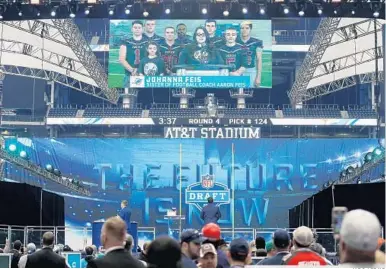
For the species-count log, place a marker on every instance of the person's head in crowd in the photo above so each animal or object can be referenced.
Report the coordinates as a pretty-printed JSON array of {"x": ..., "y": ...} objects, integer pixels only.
[
  {"x": 89, "y": 251},
  {"x": 281, "y": 241},
  {"x": 113, "y": 233},
  {"x": 359, "y": 237},
  {"x": 222, "y": 245},
  {"x": 208, "y": 256},
  {"x": 318, "y": 248},
  {"x": 302, "y": 237},
  {"x": 381, "y": 242},
  {"x": 95, "y": 249},
  {"x": 271, "y": 251},
  {"x": 31, "y": 248},
  {"x": 239, "y": 254},
  {"x": 382, "y": 247},
  {"x": 164, "y": 252},
  {"x": 124, "y": 203},
  {"x": 210, "y": 200},
  {"x": 260, "y": 247},
  {"x": 190, "y": 243},
  {"x": 145, "y": 247},
  {"x": 67, "y": 248},
  {"x": 252, "y": 247},
  {"x": 129, "y": 242},
  {"x": 212, "y": 233},
  {"x": 48, "y": 240},
  {"x": 17, "y": 245}
]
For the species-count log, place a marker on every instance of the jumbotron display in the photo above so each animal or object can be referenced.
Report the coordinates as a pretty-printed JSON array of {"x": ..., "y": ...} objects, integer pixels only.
[{"x": 191, "y": 53}]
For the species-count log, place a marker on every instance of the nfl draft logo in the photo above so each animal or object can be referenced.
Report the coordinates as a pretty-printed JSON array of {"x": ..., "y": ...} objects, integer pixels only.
[
  {"x": 198, "y": 193},
  {"x": 207, "y": 181}
]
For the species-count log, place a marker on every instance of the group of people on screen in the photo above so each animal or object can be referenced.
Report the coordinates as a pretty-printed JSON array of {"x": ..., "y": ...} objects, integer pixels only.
[{"x": 148, "y": 54}]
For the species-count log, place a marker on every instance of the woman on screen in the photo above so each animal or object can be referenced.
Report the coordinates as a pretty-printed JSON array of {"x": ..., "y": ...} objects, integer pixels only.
[
  {"x": 199, "y": 52},
  {"x": 152, "y": 64}
]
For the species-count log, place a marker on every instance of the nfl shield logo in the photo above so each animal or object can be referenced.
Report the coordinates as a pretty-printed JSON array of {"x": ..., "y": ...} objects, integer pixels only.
[{"x": 207, "y": 181}]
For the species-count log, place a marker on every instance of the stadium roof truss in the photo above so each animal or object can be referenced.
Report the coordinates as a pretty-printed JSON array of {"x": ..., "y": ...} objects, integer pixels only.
[
  {"x": 53, "y": 50},
  {"x": 343, "y": 53}
]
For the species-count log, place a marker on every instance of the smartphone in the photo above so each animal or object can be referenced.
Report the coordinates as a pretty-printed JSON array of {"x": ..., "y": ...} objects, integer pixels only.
[{"x": 337, "y": 216}]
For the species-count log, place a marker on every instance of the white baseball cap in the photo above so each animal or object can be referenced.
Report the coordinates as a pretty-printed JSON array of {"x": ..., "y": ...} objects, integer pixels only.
[
  {"x": 303, "y": 236},
  {"x": 360, "y": 230}
]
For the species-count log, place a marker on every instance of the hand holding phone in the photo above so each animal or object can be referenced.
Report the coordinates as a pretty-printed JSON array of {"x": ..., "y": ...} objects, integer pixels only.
[{"x": 337, "y": 216}]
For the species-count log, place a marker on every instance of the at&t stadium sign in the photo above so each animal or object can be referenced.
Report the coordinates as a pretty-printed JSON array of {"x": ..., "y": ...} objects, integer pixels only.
[
  {"x": 212, "y": 132},
  {"x": 198, "y": 193}
]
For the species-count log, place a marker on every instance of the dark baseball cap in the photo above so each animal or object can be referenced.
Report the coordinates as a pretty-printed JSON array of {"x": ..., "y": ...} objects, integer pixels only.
[
  {"x": 281, "y": 238},
  {"x": 191, "y": 235},
  {"x": 239, "y": 248}
]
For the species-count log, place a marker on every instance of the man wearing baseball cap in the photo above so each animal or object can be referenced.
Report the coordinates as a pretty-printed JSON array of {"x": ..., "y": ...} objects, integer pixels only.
[
  {"x": 302, "y": 255},
  {"x": 239, "y": 253},
  {"x": 190, "y": 247},
  {"x": 282, "y": 243},
  {"x": 212, "y": 233},
  {"x": 208, "y": 256},
  {"x": 358, "y": 239}
]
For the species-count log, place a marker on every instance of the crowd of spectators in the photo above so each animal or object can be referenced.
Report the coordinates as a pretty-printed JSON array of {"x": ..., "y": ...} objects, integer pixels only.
[{"x": 360, "y": 245}]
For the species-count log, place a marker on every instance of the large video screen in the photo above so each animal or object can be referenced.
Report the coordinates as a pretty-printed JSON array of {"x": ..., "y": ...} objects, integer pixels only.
[{"x": 190, "y": 53}]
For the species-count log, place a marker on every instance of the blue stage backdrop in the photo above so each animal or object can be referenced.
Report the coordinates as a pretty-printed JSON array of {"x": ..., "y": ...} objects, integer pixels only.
[{"x": 270, "y": 176}]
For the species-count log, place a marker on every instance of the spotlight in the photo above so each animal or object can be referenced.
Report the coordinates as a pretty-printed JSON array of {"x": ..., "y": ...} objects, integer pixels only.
[
  {"x": 127, "y": 11},
  {"x": 49, "y": 167},
  {"x": 53, "y": 13},
  {"x": 1, "y": 17},
  {"x": 23, "y": 154},
  {"x": 111, "y": 12},
  {"x": 72, "y": 15},
  {"x": 38, "y": 14},
  {"x": 376, "y": 14},
  {"x": 335, "y": 11},
  {"x": 20, "y": 13},
  {"x": 262, "y": 11},
  {"x": 145, "y": 13},
  {"x": 368, "y": 157},
  {"x": 167, "y": 11},
  {"x": 57, "y": 172},
  {"x": 377, "y": 152},
  {"x": 286, "y": 10},
  {"x": 244, "y": 10},
  {"x": 320, "y": 11},
  {"x": 301, "y": 13},
  {"x": 12, "y": 147},
  {"x": 87, "y": 11},
  {"x": 204, "y": 11},
  {"x": 352, "y": 12},
  {"x": 225, "y": 13}
]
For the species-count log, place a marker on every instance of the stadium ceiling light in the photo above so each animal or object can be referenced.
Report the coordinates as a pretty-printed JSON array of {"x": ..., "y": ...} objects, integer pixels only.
[
  {"x": 262, "y": 11},
  {"x": 23, "y": 154},
  {"x": 286, "y": 10},
  {"x": 72, "y": 15},
  {"x": 1, "y": 16},
  {"x": 376, "y": 14},
  {"x": 111, "y": 12},
  {"x": 320, "y": 11},
  {"x": 352, "y": 12},
  {"x": 301, "y": 13},
  {"x": 145, "y": 13},
  {"x": 87, "y": 11},
  {"x": 20, "y": 13},
  {"x": 127, "y": 11},
  {"x": 244, "y": 10},
  {"x": 225, "y": 13},
  {"x": 167, "y": 11},
  {"x": 204, "y": 11},
  {"x": 12, "y": 147}
]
